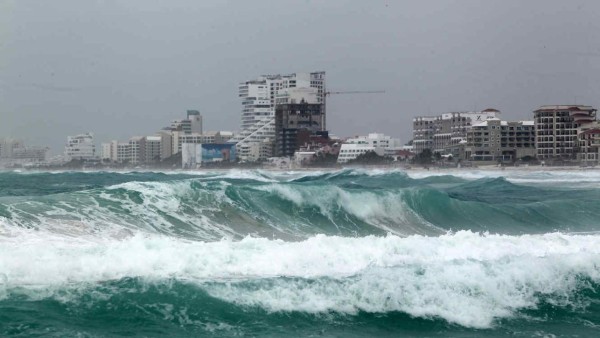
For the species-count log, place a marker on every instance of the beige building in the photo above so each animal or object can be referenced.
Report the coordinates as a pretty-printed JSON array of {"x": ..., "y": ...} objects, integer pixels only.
[
  {"x": 496, "y": 140},
  {"x": 588, "y": 143},
  {"x": 444, "y": 133},
  {"x": 557, "y": 127}
]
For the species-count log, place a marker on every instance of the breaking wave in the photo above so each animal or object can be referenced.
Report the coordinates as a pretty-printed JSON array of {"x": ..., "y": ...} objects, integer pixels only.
[{"x": 351, "y": 252}]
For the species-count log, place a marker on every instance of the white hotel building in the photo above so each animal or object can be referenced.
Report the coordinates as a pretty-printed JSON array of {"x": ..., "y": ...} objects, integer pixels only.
[
  {"x": 381, "y": 144},
  {"x": 80, "y": 147}
]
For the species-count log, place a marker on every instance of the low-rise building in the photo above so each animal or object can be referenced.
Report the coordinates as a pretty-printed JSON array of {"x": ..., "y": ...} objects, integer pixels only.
[
  {"x": 444, "y": 133},
  {"x": 195, "y": 155},
  {"x": 7, "y": 146},
  {"x": 30, "y": 154},
  {"x": 255, "y": 151},
  {"x": 496, "y": 140},
  {"x": 381, "y": 144}
]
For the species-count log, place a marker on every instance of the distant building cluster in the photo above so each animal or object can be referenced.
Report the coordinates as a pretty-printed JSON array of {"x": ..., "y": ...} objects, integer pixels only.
[
  {"x": 164, "y": 144},
  {"x": 15, "y": 152},
  {"x": 557, "y": 133},
  {"x": 283, "y": 122}
]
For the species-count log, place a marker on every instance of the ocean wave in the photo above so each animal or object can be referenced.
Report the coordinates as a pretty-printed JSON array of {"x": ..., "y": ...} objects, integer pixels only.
[
  {"x": 465, "y": 278},
  {"x": 291, "y": 205}
]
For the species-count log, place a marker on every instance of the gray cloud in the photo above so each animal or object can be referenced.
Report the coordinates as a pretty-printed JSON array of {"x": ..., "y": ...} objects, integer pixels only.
[{"x": 123, "y": 68}]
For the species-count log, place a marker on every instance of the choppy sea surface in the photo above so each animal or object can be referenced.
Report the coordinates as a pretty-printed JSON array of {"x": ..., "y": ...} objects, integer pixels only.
[{"x": 350, "y": 253}]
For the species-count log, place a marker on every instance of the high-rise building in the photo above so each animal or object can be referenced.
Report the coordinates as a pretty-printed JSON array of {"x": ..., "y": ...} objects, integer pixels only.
[
  {"x": 292, "y": 121},
  {"x": 195, "y": 121},
  {"x": 556, "y": 129},
  {"x": 260, "y": 98},
  {"x": 124, "y": 153},
  {"x": 80, "y": 147},
  {"x": 191, "y": 124},
  {"x": 138, "y": 149},
  {"x": 153, "y": 149},
  {"x": 166, "y": 144},
  {"x": 109, "y": 151}
]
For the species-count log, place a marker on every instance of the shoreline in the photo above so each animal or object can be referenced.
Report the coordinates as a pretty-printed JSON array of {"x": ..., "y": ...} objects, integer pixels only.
[{"x": 538, "y": 168}]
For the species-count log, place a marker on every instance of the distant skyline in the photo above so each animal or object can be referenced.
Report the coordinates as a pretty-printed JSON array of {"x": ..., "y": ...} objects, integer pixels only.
[{"x": 125, "y": 68}]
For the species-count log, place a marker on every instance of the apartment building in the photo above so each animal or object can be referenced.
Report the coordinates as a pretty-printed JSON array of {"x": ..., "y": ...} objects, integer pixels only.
[
  {"x": 30, "y": 154},
  {"x": 588, "y": 143},
  {"x": 80, "y": 147},
  {"x": 556, "y": 130},
  {"x": 443, "y": 133},
  {"x": 496, "y": 140},
  {"x": 153, "y": 149}
]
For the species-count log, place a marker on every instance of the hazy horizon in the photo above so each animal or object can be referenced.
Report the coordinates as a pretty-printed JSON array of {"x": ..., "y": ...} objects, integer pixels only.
[{"x": 121, "y": 69}]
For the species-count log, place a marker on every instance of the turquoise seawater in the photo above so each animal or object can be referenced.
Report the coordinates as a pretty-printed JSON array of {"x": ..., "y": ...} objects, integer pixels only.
[{"x": 348, "y": 253}]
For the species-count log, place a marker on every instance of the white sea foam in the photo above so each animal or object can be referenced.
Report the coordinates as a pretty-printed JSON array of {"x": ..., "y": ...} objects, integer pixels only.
[
  {"x": 465, "y": 278},
  {"x": 561, "y": 177}
]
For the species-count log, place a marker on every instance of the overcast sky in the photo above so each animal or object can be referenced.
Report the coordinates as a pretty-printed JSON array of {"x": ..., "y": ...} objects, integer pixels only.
[{"x": 124, "y": 68}]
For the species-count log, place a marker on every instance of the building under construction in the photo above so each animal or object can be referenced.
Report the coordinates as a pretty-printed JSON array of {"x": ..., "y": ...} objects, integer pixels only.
[{"x": 296, "y": 124}]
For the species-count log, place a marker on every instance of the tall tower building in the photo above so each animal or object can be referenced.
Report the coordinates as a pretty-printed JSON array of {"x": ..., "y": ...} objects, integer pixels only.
[
  {"x": 195, "y": 120},
  {"x": 261, "y": 96}
]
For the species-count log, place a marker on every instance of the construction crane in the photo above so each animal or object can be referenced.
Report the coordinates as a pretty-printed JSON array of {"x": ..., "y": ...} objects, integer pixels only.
[
  {"x": 325, "y": 94},
  {"x": 356, "y": 92}
]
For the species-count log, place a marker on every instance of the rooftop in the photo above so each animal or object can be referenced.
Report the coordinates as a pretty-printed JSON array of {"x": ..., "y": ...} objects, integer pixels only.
[{"x": 565, "y": 107}]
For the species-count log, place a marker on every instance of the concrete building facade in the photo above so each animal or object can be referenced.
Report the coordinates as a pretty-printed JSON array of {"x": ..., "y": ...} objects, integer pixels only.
[
  {"x": 291, "y": 120},
  {"x": 80, "y": 147},
  {"x": 496, "y": 140},
  {"x": 381, "y": 144},
  {"x": 30, "y": 154},
  {"x": 153, "y": 149},
  {"x": 191, "y": 124},
  {"x": 588, "y": 143},
  {"x": 260, "y": 98},
  {"x": 556, "y": 130},
  {"x": 446, "y": 131}
]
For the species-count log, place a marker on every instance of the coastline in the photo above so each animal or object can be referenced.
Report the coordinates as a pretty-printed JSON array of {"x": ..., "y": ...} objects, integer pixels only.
[{"x": 531, "y": 168}]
